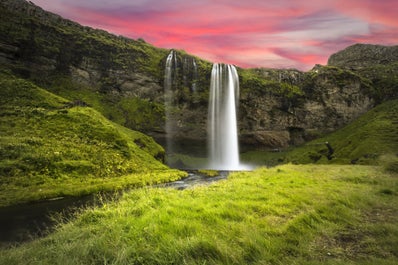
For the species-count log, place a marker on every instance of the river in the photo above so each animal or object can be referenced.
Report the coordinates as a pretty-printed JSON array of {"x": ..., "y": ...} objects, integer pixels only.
[{"x": 22, "y": 223}]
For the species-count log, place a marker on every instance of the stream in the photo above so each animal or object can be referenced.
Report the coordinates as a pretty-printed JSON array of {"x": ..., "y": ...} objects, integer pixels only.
[{"x": 25, "y": 222}]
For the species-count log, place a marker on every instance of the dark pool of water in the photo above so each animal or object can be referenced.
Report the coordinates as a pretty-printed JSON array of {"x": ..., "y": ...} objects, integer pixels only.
[{"x": 21, "y": 223}]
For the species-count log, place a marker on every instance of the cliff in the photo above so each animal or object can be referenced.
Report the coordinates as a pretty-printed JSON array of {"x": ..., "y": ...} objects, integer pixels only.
[
  {"x": 123, "y": 79},
  {"x": 364, "y": 55},
  {"x": 379, "y": 64},
  {"x": 303, "y": 105}
]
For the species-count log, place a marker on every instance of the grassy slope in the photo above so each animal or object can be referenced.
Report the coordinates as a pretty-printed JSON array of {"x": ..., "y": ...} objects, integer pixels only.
[
  {"x": 120, "y": 109},
  {"x": 363, "y": 141},
  {"x": 323, "y": 214},
  {"x": 368, "y": 140},
  {"x": 49, "y": 148}
]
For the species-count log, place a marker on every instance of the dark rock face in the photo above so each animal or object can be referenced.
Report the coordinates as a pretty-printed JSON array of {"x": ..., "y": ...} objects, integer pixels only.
[
  {"x": 378, "y": 64},
  {"x": 326, "y": 99},
  {"x": 123, "y": 79}
]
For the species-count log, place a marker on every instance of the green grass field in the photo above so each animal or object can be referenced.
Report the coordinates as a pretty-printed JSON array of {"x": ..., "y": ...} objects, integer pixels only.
[{"x": 291, "y": 214}]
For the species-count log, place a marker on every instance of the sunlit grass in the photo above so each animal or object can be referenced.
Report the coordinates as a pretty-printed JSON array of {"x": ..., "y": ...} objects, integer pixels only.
[
  {"x": 51, "y": 147},
  {"x": 284, "y": 215}
]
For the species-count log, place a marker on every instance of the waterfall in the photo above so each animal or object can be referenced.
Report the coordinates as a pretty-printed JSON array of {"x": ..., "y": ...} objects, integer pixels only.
[
  {"x": 195, "y": 75},
  {"x": 222, "y": 126},
  {"x": 169, "y": 80},
  {"x": 190, "y": 73}
]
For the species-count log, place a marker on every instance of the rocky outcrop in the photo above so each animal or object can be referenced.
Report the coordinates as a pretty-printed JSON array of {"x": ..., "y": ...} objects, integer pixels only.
[
  {"x": 378, "y": 64},
  {"x": 316, "y": 102},
  {"x": 364, "y": 55}
]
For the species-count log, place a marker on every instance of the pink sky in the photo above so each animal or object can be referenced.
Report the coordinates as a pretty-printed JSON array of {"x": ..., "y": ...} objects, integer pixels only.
[{"x": 247, "y": 33}]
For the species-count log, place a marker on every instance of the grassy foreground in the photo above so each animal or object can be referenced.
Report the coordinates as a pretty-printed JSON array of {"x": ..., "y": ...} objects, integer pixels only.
[{"x": 323, "y": 214}]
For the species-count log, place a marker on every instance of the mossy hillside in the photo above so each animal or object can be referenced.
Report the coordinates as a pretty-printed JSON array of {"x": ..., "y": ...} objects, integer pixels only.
[
  {"x": 371, "y": 139},
  {"x": 320, "y": 77},
  {"x": 323, "y": 214},
  {"x": 384, "y": 78},
  {"x": 296, "y": 86},
  {"x": 52, "y": 147},
  {"x": 376, "y": 63},
  {"x": 364, "y": 141},
  {"x": 132, "y": 112},
  {"x": 254, "y": 83}
]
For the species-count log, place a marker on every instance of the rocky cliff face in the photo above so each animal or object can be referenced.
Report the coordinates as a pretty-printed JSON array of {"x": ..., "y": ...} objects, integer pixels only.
[
  {"x": 364, "y": 55},
  {"x": 301, "y": 106},
  {"x": 378, "y": 64},
  {"x": 123, "y": 79}
]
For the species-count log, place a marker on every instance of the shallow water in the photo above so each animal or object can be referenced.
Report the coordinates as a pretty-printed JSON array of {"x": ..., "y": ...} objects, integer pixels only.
[
  {"x": 194, "y": 179},
  {"x": 21, "y": 223}
]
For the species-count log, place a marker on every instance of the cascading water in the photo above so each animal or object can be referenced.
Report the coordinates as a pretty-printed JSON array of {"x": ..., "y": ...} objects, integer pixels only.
[
  {"x": 190, "y": 73},
  {"x": 169, "y": 80},
  {"x": 195, "y": 75},
  {"x": 222, "y": 126}
]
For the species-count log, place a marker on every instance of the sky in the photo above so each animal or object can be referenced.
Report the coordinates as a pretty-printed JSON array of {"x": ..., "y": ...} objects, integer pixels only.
[{"x": 247, "y": 33}]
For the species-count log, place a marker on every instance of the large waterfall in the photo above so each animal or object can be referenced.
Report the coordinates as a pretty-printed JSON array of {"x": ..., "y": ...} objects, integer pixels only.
[{"x": 222, "y": 126}]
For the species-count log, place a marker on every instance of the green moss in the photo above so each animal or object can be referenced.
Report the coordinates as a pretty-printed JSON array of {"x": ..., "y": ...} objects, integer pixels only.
[
  {"x": 141, "y": 114},
  {"x": 384, "y": 78},
  {"x": 253, "y": 84},
  {"x": 362, "y": 142},
  {"x": 45, "y": 141},
  {"x": 367, "y": 140}
]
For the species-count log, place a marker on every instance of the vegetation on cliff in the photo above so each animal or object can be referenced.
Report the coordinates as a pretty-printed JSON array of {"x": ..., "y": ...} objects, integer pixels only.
[
  {"x": 371, "y": 139},
  {"x": 52, "y": 147},
  {"x": 377, "y": 63},
  {"x": 364, "y": 141}
]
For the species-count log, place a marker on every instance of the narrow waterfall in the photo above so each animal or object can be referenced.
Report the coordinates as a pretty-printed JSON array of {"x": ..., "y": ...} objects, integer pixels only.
[
  {"x": 169, "y": 80},
  {"x": 195, "y": 75},
  {"x": 222, "y": 126},
  {"x": 190, "y": 73}
]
